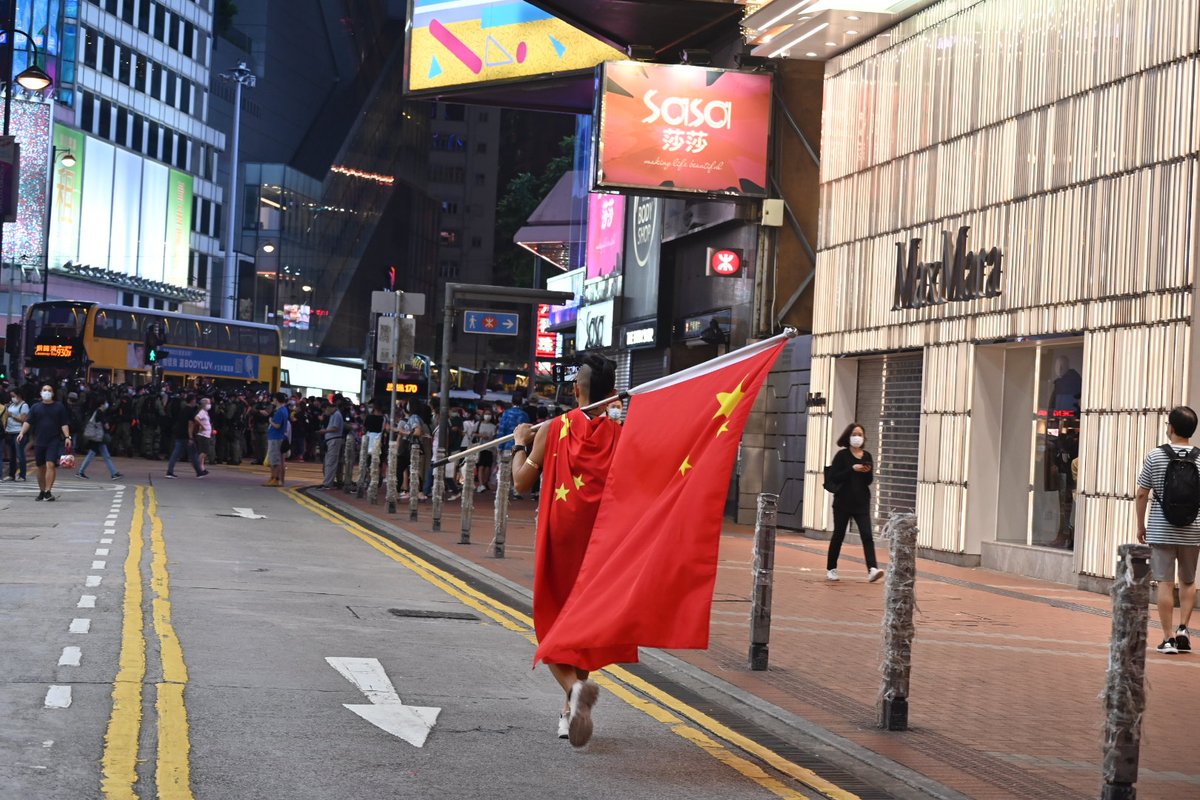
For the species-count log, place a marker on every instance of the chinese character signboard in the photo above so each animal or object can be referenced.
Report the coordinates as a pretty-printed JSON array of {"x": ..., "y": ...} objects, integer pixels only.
[
  {"x": 605, "y": 234},
  {"x": 673, "y": 128}
]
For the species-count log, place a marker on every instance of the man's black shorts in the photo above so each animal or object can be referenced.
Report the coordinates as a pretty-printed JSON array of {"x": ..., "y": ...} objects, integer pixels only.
[{"x": 43, "y": 454}]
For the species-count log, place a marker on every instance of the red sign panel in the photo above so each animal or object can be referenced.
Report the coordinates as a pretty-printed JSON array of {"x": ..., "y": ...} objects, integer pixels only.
[
  {"x": 677, "y": 128},
  {"x": 724, "y": 261},
  {"x": 546, "y": 344}
]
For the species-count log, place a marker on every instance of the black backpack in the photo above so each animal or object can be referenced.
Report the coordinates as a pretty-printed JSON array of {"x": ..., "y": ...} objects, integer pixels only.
[{"x": 1180, "y": 498}]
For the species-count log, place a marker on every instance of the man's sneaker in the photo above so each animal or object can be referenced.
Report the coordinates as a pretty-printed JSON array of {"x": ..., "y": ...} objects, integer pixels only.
[
  {"x": 203, "y": 474},
  {"x": 171, "y": 475},
  {"x": 81, "y": 475},
  {"x": 1182, "y": 643},
  {"x": 116, "y": 475},
  {"x": 50, "y": 498},
  {"x": 564, "y": 726},
  {"x": 583, "y": 696},
  {"x": 41, "y": 496},
  {"x": 480, "y": 489},
  {"x": 831, "y": 575},
  {"x": 1168, "y": 647},
  {"x": 874, "y": 574}
]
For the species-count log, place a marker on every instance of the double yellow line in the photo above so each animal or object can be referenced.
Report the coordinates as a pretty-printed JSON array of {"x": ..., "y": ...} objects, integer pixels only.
[
  {"x": 645, "y": 697},
  {"x": 172, "y": 773}
]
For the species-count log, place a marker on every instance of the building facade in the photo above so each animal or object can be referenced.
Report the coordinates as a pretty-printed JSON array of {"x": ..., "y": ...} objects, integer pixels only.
[{"x": 1006, "y": 272}]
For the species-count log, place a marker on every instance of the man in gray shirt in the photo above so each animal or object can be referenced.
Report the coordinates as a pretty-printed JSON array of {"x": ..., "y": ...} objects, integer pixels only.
[{"x": 335, "y": 437}]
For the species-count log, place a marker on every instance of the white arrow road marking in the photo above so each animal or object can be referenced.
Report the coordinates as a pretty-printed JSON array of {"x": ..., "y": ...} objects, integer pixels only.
[
  {"x": 248, "y": 513},
  {"x": 70, "y": 657},
  {"x": 387, "y": 711},
  {"x": 58, "y": 697}
]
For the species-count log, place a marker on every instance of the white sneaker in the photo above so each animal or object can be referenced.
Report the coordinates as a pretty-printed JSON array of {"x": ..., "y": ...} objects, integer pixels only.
[
  {"x": 831, "y": 575},
  {"x": 564, "y": 726},
  {"x": 479, "y": 489},
  {"x": 874, "y": 574},
  {"x": 583, "y": 697}
]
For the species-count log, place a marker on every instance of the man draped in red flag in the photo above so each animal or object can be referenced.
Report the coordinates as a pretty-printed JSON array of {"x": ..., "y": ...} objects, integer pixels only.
[
  {"x": 648, "y": 575},
  {"x": 574, "y": 452}
]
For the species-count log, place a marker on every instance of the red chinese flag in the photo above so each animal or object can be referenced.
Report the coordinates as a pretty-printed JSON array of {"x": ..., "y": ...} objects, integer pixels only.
[{"x": 648, "y": 575}]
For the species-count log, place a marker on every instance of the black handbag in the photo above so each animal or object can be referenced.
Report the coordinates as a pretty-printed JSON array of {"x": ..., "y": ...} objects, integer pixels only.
[{"x": 831, "y": 486}]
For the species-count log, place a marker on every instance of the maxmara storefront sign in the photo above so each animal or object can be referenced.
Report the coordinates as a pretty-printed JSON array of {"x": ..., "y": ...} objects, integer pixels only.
[{"x": 961, "y": 275}]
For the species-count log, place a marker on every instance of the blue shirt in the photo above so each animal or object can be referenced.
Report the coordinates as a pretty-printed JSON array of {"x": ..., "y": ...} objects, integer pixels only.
[
  {"x": 280, "y": 418},
  {"x": 509, "y": 421}
]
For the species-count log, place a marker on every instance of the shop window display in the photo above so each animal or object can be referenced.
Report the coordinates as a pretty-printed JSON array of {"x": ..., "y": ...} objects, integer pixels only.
[{"x": 1056, "y": 447}]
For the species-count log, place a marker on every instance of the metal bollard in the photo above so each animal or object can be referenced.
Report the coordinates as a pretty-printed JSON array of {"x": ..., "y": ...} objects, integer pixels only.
[
  {"x": 373, "y": 488},
  {"x": 503, "y": 487},
  {"x": 764, "y": 566},
  {"x": 349, "y": 451},
  {"x": 439, "y": 488},
  {"x": 1125, "y": 687},
  {"x": 468, "y": 496},
  {"x": 414, "y": 481},
  {"x": 363, "y": 453},
  {"x": 900, "y": 602},
  {"x": 393, "y": 462}
]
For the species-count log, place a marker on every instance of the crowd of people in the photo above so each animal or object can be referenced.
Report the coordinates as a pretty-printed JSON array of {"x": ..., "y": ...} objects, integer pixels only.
[{"x": 204, "y": 425}]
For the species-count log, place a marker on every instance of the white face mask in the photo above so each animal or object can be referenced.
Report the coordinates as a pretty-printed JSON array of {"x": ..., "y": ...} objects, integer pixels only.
[
  {"x": 614, "y": 413},
  {"x": 856, "y": 441},
  {"x": 47, "y": 396}
]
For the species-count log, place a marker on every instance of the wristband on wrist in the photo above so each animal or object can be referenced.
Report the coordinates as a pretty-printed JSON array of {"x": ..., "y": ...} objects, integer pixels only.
[{"x": 520, "y": 448}]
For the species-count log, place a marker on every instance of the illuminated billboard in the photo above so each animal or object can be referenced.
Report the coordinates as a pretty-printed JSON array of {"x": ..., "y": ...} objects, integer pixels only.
[
  {"x": 605, "y": 234},
  {"x": 24, "y": 239},
  {"x": 456, "y": 44},
  {"x": 672, "y": 128},
  {"x": 119, "y": 211}
]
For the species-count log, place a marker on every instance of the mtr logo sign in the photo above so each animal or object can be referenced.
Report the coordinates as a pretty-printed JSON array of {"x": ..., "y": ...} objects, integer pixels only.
[{"x": 724, "y": 262}]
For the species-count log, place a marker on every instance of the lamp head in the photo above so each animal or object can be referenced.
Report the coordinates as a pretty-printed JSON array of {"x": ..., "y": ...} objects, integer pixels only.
[
  {"x": 34, "y": 79},
  {"x": 268, "y": 248},
  {"x": 68, "y": 159}
]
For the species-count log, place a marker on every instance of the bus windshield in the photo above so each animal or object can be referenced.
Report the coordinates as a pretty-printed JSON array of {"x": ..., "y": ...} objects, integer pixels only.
[{"x": 58, "y": 320}]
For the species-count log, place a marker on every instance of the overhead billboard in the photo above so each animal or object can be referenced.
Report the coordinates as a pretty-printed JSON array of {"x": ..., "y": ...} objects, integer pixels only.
[
  {"x": 678, "y": 129},
  {"x": 456, "y": 43}
]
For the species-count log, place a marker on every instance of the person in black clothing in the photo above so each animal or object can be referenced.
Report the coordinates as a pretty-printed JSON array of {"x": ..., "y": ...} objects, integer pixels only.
[
  {"x": 183, "y": 430},
  {"x": 852, "y": 470},
  {"x": 51, "y": 426}
]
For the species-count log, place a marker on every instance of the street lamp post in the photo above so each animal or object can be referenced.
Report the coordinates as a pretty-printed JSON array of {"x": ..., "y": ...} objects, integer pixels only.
[{"x": 240, "y": 76}]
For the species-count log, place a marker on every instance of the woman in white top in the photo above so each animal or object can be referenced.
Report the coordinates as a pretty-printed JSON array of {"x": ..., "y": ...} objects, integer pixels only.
[
  {"x": 18, "y": 412},
  {"x": 204, "y": 442}
]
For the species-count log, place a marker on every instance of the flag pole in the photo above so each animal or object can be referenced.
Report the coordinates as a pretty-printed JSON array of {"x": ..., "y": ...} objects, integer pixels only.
[{"x": 733, "y": 357}]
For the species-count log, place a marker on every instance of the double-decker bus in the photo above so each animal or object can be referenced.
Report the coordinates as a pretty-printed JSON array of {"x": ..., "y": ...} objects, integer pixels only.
[{"x": 92, "y": 341}]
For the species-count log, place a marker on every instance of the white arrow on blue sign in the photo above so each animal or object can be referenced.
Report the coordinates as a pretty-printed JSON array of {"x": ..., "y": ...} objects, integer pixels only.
[{"x": 495, "y": 323}]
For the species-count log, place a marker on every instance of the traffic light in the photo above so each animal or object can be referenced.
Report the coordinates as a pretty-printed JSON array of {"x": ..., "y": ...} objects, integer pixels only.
[{"x": 153, "y": 353}]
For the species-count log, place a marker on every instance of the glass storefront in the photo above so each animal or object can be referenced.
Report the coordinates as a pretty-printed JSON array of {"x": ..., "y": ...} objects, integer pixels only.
[{"x": 1038, "y": 484}]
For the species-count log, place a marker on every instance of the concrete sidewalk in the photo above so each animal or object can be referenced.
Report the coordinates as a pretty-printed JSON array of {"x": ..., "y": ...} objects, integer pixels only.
[{"x": 1006, "y": 678}]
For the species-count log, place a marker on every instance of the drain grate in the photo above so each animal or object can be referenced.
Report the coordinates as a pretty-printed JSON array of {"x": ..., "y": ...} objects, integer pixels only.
[{"x": 424, "y": 613}]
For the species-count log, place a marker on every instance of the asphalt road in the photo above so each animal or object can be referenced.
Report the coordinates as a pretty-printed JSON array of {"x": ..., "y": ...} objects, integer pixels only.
[{"x": 205, "y": 670}]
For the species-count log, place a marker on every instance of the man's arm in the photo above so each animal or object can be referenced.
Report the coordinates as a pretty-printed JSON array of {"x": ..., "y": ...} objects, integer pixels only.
[
  {"x": 525, "y": 474},
  {"x": 1140, "y": 501}
]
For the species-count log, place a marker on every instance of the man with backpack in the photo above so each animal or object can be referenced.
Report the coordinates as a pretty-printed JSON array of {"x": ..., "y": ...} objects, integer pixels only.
[{"x": 1170, "y": 481}]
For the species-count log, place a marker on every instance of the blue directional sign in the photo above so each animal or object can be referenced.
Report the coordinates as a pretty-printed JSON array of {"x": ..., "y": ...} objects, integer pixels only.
[{"x": 495, "y": 323}]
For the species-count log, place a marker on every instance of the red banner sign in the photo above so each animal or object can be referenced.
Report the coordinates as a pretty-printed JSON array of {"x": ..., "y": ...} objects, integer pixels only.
[
  {"x": 677, "y": 128},
  {"x": 546, "y": 344}
]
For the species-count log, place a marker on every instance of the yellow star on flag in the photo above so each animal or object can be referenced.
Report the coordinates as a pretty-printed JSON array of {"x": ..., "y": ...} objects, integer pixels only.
[
  {"x": 723, "y": 429},
  {"x": 729, "y": 401},
  {"x": 579, "y": 481},
  {"x": 566, "y": 426},
  {"x": 685, "y": 466},
  {"x": 561, "y": 492}
]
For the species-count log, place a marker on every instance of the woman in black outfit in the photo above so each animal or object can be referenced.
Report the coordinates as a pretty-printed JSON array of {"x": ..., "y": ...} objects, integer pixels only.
[{"x": 853, "y": 469}]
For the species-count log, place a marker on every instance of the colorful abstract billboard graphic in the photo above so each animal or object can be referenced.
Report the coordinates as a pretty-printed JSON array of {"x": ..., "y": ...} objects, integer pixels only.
[
  {"x": 454, "y": 44},
  {"x": 671, "y": 128}
]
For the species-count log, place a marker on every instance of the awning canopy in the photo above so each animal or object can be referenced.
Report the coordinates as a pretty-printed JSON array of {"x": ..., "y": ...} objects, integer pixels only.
[
  {"x": 552, "y": 230},
  {"x": 666, "y": 25}
]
